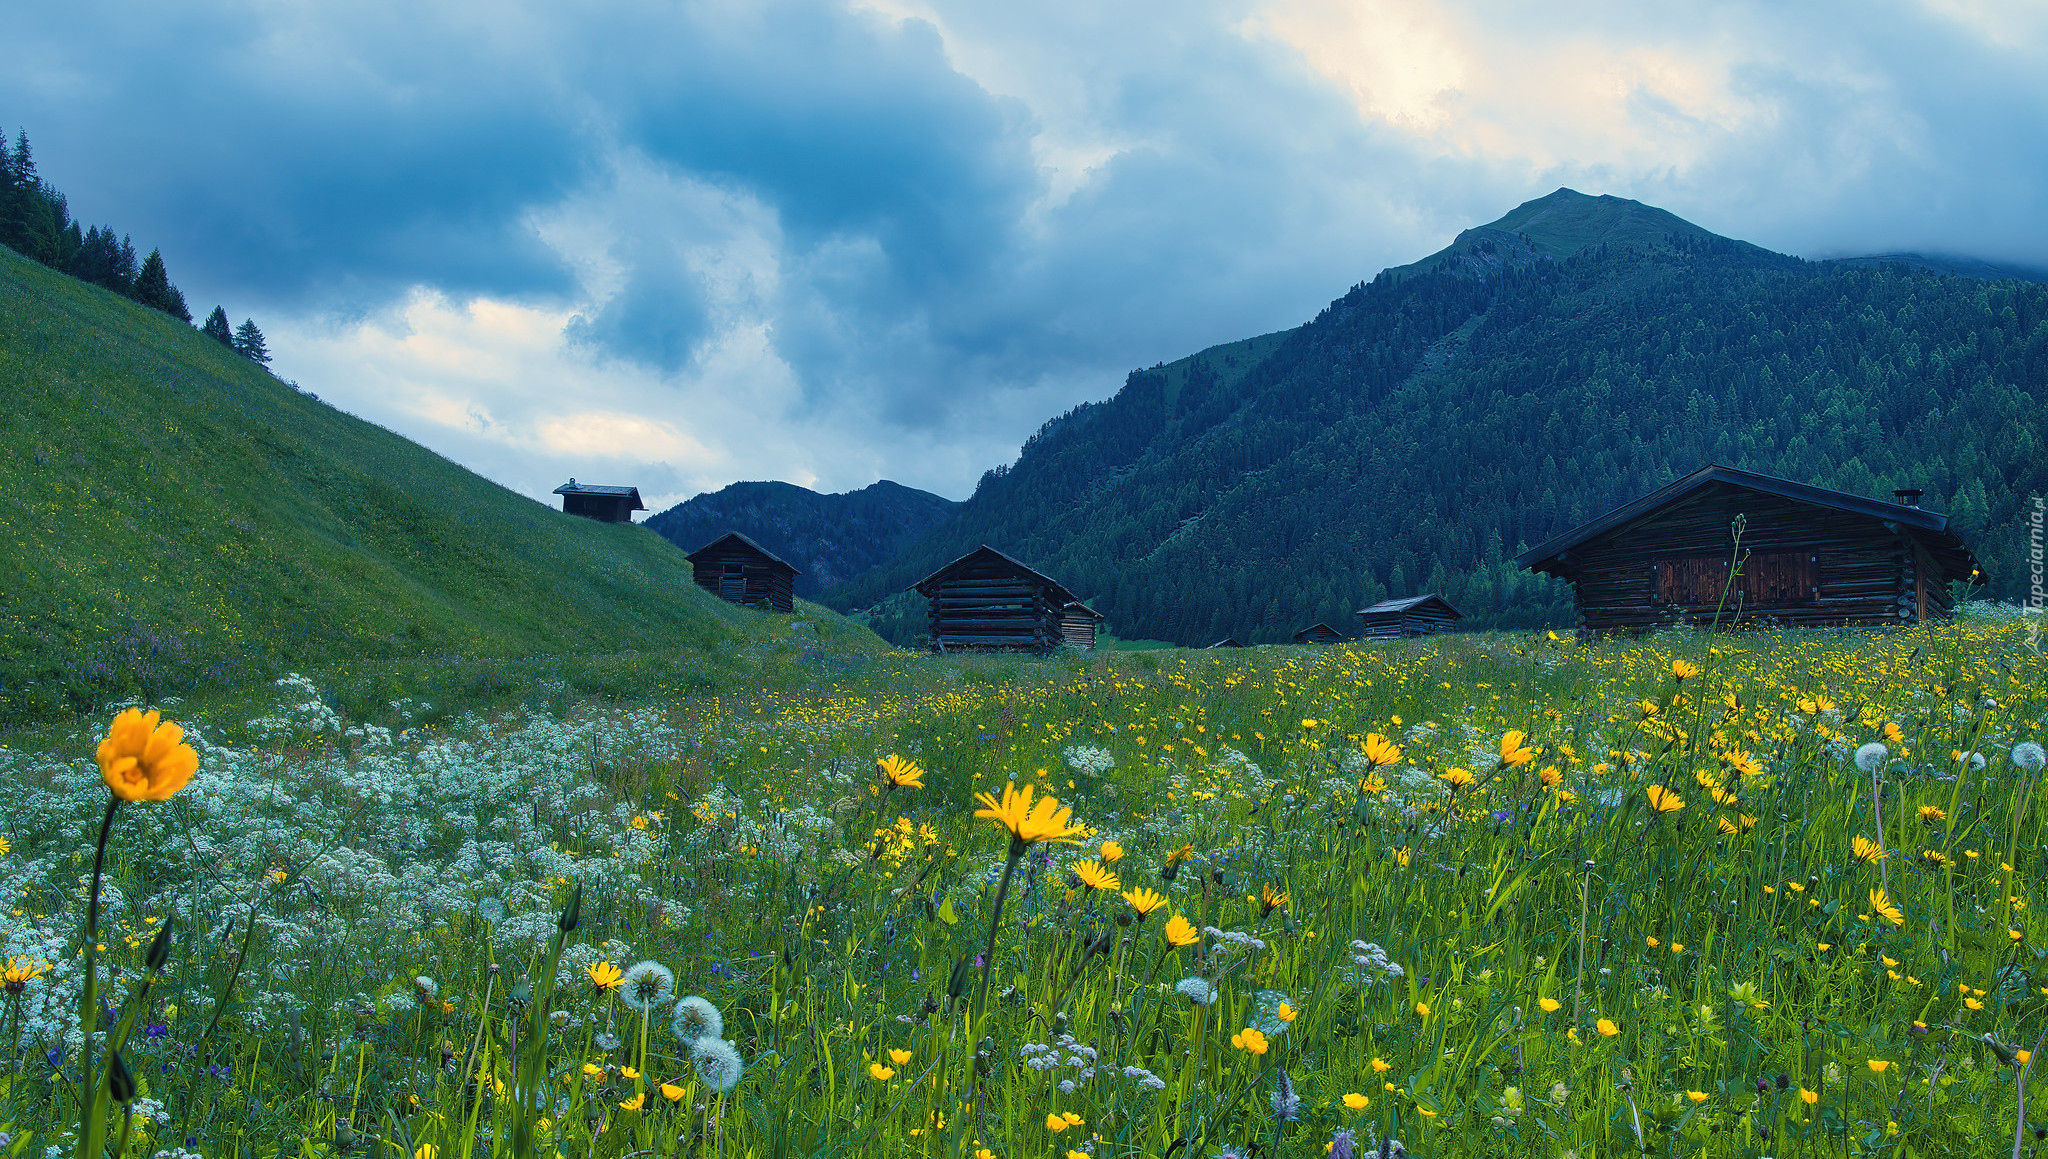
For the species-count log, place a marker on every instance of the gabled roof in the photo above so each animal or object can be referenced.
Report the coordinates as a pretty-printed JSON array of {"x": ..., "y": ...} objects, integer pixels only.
[
  {"x": 1227, "y": 642},
  {"x": 572, "y": 487},
  {"x": 1077, "y": 608},
  {"x": 1929, "y": 527},
  {"x": 1387, "y": 607},
  {"x": 1323, "y": 626},
  {"x": 985, "y": 553},
  {"x": 747, "y": 543}
]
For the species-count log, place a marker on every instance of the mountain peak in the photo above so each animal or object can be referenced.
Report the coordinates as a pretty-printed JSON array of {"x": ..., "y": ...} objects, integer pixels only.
[
  {"x": 1558, "y": 225},
  {"x": 1561, "y": 224}
]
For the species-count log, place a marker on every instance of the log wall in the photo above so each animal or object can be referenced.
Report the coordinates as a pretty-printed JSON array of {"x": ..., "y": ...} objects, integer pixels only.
[{"x": 1805, "y": 565}]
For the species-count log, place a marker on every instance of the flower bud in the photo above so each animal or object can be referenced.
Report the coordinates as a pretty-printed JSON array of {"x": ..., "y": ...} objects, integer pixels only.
[
  {"x": 120, "y": 1083},
  {"x": 572, "y": 914}
]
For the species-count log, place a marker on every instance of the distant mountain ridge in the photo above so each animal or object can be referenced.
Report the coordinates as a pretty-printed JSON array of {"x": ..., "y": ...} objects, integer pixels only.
[
  {"x": 1573, "y": 355},
  {"x": 829, "y": 538}
]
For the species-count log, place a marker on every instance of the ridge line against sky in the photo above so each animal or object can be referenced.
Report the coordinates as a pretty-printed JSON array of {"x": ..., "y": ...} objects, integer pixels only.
[{"x": 677, "y": 245}]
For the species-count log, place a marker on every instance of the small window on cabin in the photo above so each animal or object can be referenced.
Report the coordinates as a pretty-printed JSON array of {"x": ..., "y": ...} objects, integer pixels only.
[
  {"x": 1780, "y": 577},
  {"x": 1696, "y": 580}
]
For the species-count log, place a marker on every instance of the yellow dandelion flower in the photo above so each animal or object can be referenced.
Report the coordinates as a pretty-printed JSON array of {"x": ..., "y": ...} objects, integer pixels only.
[
  {"x": 605, "y": 976},
  {"x": 1684, "y": 669},
  {"x": 1181, "y": 932},
  {"x": 901, "y": 773},
  {"x": 1881, "y": 905},
  {"x": 1356, "y": 1101},
  {"x": 1144, "y": 900},
  {"x": 1663, "y": 800},
  {"x": 1112, "y": 853},
  {"x": 1513, "y": 753},
  {"x": 1458, "y": 778},
  {"x": 1379, "y": 750},
  {"x": 1864, "y": 850},
  {"x": 1094, "y": 876},
  {"x": 1029, "y": 823}
]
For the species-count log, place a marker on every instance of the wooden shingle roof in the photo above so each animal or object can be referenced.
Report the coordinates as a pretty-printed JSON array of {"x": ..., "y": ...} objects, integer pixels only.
[{"x": 1930, "y": 528}]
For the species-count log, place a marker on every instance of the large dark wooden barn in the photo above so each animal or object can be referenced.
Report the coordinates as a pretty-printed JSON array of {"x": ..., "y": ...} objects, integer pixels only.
[
  {"x": 1414, "y": 616},
  {"x": 604, "y": 504},
  {"x": 1808, "y": 556},
  {"x": 740, "y": 571},
  {"x": 986, "y": 600}
]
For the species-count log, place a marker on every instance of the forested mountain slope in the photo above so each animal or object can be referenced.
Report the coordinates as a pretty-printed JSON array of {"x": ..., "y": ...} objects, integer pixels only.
[
  {"x": 829, "y": 538},
  {"x": 1575, "y": 355}
]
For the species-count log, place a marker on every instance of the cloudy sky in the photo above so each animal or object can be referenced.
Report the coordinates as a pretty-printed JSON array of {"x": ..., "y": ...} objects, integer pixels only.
[{"x": 679, "y": 244}]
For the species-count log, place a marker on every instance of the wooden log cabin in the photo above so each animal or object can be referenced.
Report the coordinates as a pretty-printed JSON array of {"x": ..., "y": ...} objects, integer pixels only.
[
  {"x": 1078, "y": 624},
  {"x": 739, "y": 571},
  {"x": 1808, "y": 556},
  {"x": 1318, "y": 633},
  {"x": 987, "y": 601},
  {"x": 1227, "y": 642},
  {"x": 1414, "y": 616},
  {"x": 604, "y": 504}
]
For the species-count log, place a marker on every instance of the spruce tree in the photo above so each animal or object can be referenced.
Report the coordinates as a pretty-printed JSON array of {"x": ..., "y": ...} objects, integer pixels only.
[
  {"x": 219, "y": 329},
  {"x": 249, "y": 343},
  {"x": 153, "y": 288}
]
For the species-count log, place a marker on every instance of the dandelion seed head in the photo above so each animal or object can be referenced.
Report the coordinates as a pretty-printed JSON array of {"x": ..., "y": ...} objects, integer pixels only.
[
  {"x": 695, "y": 1018},
  {"x": 648, "y": 984},
  {"x": 1871, "y": 756},
  {"x": 718, "y": 1063},
  {"x": 2029, "y": 756}
]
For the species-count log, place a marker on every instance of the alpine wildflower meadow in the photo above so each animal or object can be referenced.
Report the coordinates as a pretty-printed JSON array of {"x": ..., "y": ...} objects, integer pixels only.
[{"x": 1683, "y": 894}]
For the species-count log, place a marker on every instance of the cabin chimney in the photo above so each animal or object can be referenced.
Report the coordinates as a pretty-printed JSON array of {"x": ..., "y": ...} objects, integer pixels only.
[{"x": 1909, "y": 496}]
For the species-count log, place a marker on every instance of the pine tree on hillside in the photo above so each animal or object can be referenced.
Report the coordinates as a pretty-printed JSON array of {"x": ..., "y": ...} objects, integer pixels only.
[
  {"x": 153, "y": 288},
  {"x": 249, "y": 343},
  {"x": 219, "y": 329}
]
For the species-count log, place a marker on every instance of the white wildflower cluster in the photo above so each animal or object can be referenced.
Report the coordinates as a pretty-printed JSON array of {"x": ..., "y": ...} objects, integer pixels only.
[
  {"x": 1088, "y": 760},
  {"x": 304, "y": 715},
  {"x": 1145, "y": 1079},
  {"x": 1064, "y": 1052},
  {"x": 1370, "y": 965},
  {"x": 343, "y": 857},
  {"x": 1229, "y": 942},
  {"x": 1199, "y": 991}
]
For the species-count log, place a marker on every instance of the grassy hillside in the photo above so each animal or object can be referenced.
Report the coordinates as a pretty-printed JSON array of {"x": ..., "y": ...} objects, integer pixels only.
[{"x": 175, "y": 517}]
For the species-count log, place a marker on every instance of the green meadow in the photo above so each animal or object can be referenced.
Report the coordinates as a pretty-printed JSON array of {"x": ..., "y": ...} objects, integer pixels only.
[{"x": 1737, "y": 895}]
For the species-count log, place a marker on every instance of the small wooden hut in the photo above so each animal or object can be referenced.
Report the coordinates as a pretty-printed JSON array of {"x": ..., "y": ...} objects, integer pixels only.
[
  {"x": 1227, "y": 642},
  {"x": 1808, "y": 556},
  {"x": 604, "y": 504},
  {"x": 987, "y": 600},
  {"x": 1079, "y": 623},
  {"x": 1414, "y": 616},
  {"x": 739, "y": 571},
  {"x": 1318, "y": 633}
]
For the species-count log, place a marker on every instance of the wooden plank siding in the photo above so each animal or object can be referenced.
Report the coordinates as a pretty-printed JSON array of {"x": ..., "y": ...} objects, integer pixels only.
[
  {"x": 1413, "y": 616},
  {"x": 739, "y": 571},
  {"x": 1800, "y": 562},
  {"x": 987, "y": 601}
]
